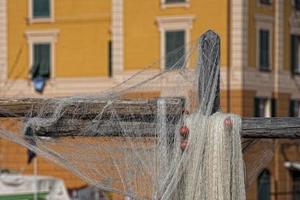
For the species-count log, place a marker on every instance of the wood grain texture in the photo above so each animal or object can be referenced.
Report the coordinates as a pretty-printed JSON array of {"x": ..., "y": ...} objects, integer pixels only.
[
  {"x": 276, "y": 127},
  {"x": 89, "y": 108},
  {"x": 285, "y": 127}
]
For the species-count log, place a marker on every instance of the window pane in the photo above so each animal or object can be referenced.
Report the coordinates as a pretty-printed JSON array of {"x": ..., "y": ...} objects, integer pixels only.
[
  {"x": 264, "y": 185},
  {"x": 297, "y": 4},
  {"x": 42, "y": 61},
  {"x": 175, "y": 49},
  {"x": 41, "y": 8},
  {"x": 175, "y": 1},
  {"x": 296, "y": 185},
  {"x": 268, "y": 2},
  {"x": 264, "y": 49},
  {"x": 295, "y": 53}
]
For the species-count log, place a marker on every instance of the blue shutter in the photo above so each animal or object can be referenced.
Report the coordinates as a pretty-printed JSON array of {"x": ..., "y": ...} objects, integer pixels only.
[
  {"x": 41, "y": 8},
  {"x": 175, "y": 49}
]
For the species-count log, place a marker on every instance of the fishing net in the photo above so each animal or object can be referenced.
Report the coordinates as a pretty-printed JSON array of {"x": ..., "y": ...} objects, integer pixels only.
[{"x": 156, "y": 135}]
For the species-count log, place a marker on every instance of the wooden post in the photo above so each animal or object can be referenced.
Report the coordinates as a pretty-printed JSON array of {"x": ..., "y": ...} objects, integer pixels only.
[
  {"x": 209, "y": 60},
  {"x": 209, "y": 71}
]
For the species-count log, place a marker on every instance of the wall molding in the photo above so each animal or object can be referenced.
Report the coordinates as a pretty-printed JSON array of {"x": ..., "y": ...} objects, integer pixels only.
[
  {"x": 164, "y": 5},
  {"x": 238, "y": 43},
  {"x": 3, "y": 41},
  {"x": 117, "y": 36}
]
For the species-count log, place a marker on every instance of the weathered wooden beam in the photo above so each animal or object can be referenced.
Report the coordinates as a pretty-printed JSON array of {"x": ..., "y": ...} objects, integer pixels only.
[
  {"x": 88, "y": 108},
  {"x": 275, "y": 127},
  {"x": 280, "y": 127},
  {"x": 142, "y": 113}
]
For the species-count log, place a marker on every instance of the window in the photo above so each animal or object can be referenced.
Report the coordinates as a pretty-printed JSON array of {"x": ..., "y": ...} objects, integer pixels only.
[
  {"x": 294, "y": 108},
  {"x": 296, "y": 184},
  {"x": 174, "y": 49},
  {"x": 264, "y": 185},
  {"x": 110, "y": 71},
  {"x": 265, "y": 2},
  {"x": 264, "y": 107},
  {"x": 175, "y": 1},
  {"x": 295, "y": 54},
  {"x": 175, "y": 34},
  {"x": 41, "y": 8},
  {"x": 41, "y": 60},
  {"x": 297, "y": 4},
  {"x": 264, "y": 50}
]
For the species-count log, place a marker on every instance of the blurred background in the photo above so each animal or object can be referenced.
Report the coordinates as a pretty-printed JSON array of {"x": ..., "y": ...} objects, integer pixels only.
[{"x": 69, "y": 47}]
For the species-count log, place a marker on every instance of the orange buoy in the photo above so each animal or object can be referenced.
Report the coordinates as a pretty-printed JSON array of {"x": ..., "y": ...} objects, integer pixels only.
[
  {"x": 184, "y": 131},
  {"x": 228, "y": 123},
  {"x": 183, "y": 144}
]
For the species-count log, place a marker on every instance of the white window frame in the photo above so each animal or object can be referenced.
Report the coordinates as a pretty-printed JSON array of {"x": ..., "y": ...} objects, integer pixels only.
[
  {"x": 264, "y": 23},
  {"x": 164, "y": 4},
  {"x": 38, "y": 37},
  {"x": 32, "y": 19},
  {"x": 174, "y": 23}
]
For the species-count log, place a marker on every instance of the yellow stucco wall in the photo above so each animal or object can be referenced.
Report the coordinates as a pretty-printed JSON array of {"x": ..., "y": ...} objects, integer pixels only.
[
  {"x": 142, "y": 35},
  {"x": 254, "y": 9},
  {"x": 82, "y": 43}
]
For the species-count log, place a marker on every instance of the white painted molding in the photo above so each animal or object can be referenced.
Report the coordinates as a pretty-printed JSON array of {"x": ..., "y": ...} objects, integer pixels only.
[
  {"x": 117, "y": 36},
  {"x": 164, "y": 4},
  {"x": 264, "y": 18},
  {"x": 3, "y": 40},
  {"x": 279, "y": 42},
  {"x": 42, "y": 36},
  {"x": 32, "y": 19},
  {"x": 238, "y": 43},
  {"x": 173, "y": 23}
]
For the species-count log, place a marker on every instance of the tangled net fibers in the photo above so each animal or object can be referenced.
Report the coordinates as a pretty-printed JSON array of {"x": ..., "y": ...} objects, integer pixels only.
[{"x": 127, "y": 139}]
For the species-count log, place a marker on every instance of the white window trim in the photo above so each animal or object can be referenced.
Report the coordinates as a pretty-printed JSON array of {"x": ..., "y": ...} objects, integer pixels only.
[
  {"x": 164, "y": 4},
  {"x": 268, "y": 26},
  {"x": 174, "y": 23},
  {"x": 35, "y": 37},
  {"x": 31, "y": 19}
]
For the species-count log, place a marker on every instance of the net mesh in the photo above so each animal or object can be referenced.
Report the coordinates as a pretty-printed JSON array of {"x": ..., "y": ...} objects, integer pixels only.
[{"x": 129, "y": 139}]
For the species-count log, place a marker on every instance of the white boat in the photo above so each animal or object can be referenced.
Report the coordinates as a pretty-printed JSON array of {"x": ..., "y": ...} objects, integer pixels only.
[{"x": 29, "y": 187}]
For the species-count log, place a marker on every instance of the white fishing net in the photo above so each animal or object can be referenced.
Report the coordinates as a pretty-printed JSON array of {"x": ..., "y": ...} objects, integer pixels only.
[{"x": 156, "y": 135}]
